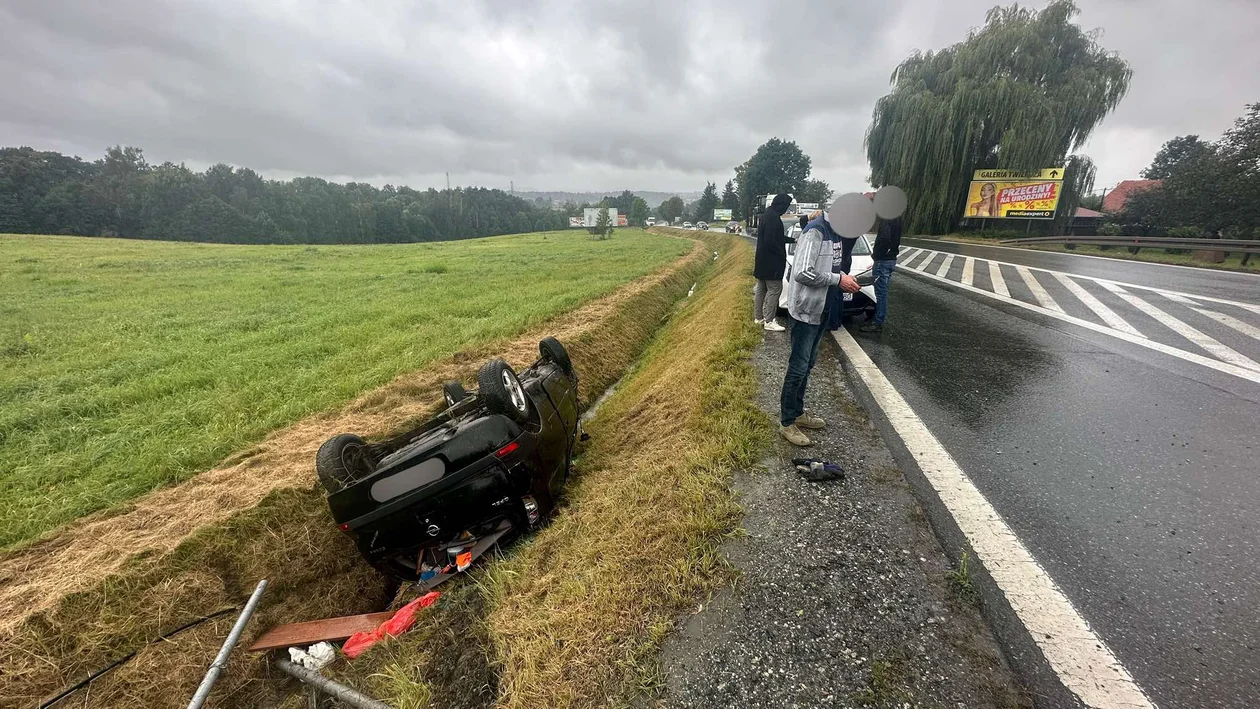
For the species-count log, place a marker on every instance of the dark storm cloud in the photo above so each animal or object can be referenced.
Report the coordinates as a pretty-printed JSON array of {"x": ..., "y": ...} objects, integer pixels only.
[{"x": 551, "y": 94}]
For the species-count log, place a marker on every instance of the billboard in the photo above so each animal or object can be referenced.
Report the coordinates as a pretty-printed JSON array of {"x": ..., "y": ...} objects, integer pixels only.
[
  {"x": 623, "y": 220},
  {"x": 590, "y": 216},
  {"x": 1014, "y": 194},
  {"x": 721, "y": 215},
  {"x": 575, "y": 222}
]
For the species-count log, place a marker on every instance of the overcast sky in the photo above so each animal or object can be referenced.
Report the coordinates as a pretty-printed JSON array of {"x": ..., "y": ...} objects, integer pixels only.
[{"x": 554, "y": 95}]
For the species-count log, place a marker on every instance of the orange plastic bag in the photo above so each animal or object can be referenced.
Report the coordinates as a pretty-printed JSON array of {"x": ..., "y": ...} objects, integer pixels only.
[{"x": 399, "y": 623}]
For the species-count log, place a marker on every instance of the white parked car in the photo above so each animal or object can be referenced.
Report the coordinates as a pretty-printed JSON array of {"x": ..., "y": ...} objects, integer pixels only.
[
  {"x": 863, "y": 301},
  {"x": 686, "y": 225}
]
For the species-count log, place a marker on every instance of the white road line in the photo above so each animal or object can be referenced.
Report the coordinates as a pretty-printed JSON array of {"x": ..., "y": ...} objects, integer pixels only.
[
  {"x": 944, "y": 269},
  {"x": 1162, "y": 291},
  {"x": 1166, "y": 293},
  {"x": 1222, "y": 352},
  {"x": 1038, "y": 292},
  {"x": 1228, "y": 321},
  {"x": 969, "y": 270},
  {"x": 1107, "y": 314},
  {"x": 1178, "y": 298},
  {"x": 1224, "y": 367},
  {"x": 999, "y": 283},
  {"x": 928, "y": 255},
  {"x": 1074, "y": 651},
  {"x": 1063, "y": 253},
  {"x": 909, "y": 255}
]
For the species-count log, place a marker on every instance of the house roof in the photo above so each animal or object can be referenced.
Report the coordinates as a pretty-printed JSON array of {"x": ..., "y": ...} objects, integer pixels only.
[
  {"x": 1114, "y": 201},
  {"x": 1087, "y": 213}
]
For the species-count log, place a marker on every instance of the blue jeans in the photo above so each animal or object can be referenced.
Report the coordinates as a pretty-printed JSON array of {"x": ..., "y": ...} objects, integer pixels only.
[
  {"x": 806, "y": 340},
  {"x": 882, "y": 271}
]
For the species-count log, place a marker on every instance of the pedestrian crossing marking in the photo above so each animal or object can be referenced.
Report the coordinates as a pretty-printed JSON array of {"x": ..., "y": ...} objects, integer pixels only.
[{"x": 1223, "y": 357}]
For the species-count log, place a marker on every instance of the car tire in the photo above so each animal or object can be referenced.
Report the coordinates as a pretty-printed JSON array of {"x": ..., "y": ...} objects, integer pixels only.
[
  {"x": 340, "y": 461},
  {"x": 453, "y": 392},
  {"x": 554, "y": 352},
  {"x": 501, "y": 391}
]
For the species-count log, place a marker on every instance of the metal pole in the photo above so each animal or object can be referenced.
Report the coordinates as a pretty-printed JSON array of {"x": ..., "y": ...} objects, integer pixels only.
[
  {"x": 220, "y": 661},
  {"x": 333, "y": 689}
]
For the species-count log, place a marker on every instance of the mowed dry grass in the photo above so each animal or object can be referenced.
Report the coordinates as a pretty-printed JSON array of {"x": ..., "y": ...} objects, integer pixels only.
[
  {"x": 109, "y": 586},
  {"x": 127, "y": 365},
  {"x": 575, "y": 616}
]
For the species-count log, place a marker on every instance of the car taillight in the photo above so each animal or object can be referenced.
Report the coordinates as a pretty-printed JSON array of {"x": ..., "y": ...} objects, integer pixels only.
[{"x": 507, "y": 450}]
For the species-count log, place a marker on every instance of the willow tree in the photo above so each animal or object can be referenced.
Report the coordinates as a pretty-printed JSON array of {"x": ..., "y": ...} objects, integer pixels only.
[{"x": 1020, "y": 93}]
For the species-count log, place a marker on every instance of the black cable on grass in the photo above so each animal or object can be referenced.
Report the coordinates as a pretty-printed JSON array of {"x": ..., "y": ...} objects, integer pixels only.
[{"x": 165, "y": 636}]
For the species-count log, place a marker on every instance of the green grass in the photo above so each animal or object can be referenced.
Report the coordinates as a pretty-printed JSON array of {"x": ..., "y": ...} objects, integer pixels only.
[
  {"x": 1233, "y": 262},
  {"x": 129, "y": 365}
]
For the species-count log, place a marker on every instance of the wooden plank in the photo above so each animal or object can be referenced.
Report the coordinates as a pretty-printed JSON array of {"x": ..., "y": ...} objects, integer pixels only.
[{"x": 313, "y": 631}]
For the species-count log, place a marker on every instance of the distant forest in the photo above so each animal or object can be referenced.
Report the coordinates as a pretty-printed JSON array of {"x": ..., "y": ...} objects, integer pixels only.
[{"x": 123, "y": 195}]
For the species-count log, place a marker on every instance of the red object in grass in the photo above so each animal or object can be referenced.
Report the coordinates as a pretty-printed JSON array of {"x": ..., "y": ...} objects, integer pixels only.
[{"x": 400, "y": 623}]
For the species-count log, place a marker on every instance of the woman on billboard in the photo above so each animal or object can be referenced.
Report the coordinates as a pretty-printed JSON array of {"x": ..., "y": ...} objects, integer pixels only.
[{"x": 987, "y": 206}]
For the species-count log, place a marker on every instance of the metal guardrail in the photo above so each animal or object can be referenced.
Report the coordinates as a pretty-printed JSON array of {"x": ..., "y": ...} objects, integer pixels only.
[{"x": 1136, "y": 243}]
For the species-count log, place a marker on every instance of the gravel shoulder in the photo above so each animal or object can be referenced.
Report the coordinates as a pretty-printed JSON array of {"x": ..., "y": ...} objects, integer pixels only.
[{"x": 844, "y": 598}]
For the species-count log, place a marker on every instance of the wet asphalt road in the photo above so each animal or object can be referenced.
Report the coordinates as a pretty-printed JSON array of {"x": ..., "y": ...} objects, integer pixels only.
[
  {"x": 1132, "y": 476},
  {"x": 1218, "y": 284}
]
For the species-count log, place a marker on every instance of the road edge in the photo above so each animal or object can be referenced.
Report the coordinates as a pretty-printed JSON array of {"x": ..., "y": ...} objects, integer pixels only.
[{"x": 1083, "y": 672}]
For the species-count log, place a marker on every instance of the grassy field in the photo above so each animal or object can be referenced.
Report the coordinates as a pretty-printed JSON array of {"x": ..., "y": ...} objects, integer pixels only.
[
  {"x": 128, "y": 365},
  {"x": 1232, "y": 263}
]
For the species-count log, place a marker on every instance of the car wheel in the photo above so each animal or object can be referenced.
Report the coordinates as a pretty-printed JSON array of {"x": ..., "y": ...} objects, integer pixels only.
[
  {"x": 501, "y": 391},
  {"x": 554, "y": 352},
  {"x": 340, "y": 461},
  {"x": 453, "y": 392}
]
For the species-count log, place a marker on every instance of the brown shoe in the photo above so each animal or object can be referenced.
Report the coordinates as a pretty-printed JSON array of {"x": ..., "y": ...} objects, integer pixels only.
[
  {"x": 810, "y": 421},
  {"x": 795, "y": 436}
]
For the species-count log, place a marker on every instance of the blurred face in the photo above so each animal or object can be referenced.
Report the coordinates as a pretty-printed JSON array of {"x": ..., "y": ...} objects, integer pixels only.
[{"x": 987, "y": 190}]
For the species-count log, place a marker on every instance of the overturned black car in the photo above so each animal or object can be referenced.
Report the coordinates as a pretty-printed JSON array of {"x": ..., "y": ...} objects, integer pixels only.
[{"x": 421, "y": 506}]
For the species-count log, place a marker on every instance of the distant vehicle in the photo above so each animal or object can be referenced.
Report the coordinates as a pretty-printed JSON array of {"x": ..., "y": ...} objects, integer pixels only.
[
  {"x": 702, "y": 226},
  {"x": 732, "y": 227},
  {"x": 651, "y": 221},
  {"x": 861, "y": 302},
  {"x": 687, "y": 225}
]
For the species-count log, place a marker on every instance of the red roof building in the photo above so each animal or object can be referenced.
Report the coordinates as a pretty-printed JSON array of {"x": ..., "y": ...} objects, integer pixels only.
[{"x": 1113, "y": 202}]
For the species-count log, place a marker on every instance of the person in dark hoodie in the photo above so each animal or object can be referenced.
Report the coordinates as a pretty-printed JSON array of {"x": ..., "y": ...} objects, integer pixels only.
[
  {"x": 770, "y": 261},
  {"x": 887, "y": 244}
]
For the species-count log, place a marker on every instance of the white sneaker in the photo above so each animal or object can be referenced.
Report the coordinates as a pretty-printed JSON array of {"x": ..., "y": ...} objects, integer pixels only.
[
  {"x": 758, "y": 321},
  {"x": 772, "y": 326}
]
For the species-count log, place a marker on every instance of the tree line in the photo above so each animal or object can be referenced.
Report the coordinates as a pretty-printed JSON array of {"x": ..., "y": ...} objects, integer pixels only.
[
  {"x": 123, "y": 195},
  {"x": 1205, "y": 188},
  {"x": 776, "y": 166}
]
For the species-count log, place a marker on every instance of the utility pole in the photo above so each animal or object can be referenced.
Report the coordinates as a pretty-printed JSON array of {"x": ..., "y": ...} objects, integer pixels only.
[{"x": 512, "y": 184}]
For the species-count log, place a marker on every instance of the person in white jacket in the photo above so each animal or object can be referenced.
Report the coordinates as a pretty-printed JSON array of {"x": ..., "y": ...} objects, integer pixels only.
[{"x": 809, "y": 281}]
